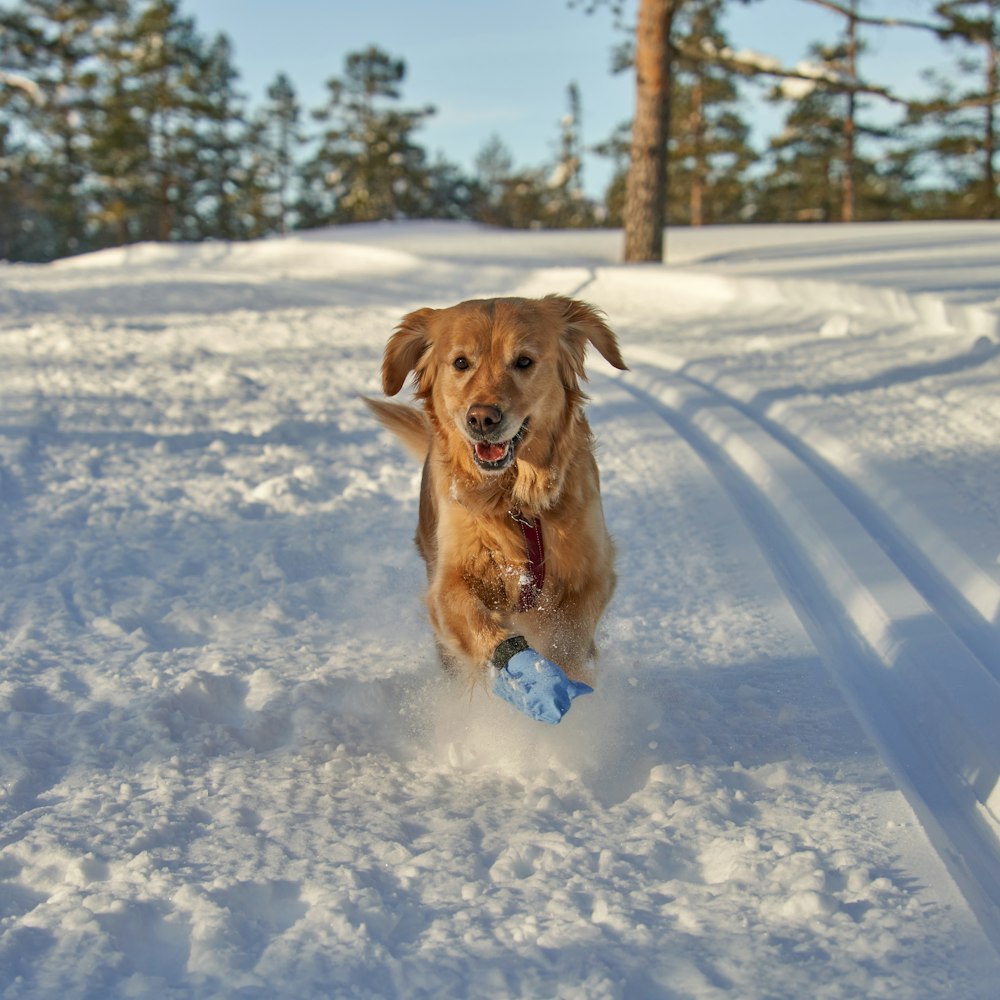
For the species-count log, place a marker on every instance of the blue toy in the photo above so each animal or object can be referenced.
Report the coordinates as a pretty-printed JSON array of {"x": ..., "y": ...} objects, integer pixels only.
[{"x": 533, "y": 684}]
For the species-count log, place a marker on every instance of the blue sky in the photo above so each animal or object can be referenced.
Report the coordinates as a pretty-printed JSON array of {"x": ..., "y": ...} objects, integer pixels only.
[{"x": 504, "y": 68}]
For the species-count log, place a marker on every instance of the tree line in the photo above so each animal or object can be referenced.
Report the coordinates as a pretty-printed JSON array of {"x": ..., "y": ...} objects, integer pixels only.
[{"x": 121, "y": 122}]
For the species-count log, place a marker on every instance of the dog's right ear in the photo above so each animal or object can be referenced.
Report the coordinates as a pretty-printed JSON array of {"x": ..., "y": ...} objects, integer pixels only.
[{"x": 405, "y": 349}]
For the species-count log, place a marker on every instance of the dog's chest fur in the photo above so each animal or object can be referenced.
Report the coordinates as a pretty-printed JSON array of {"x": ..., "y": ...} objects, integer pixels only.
[{"x": 495, "y": 561}]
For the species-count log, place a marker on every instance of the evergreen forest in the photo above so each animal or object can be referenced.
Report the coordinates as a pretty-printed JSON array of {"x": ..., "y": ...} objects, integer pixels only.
[{"x": 121, "y": 122}]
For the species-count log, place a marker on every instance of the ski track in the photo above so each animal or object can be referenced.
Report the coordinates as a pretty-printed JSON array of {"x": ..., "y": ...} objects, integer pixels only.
[
  {"x": 966, "y": 596},
  {"x": 228, "y": 766},
  {"x": 883, "y": 642}
]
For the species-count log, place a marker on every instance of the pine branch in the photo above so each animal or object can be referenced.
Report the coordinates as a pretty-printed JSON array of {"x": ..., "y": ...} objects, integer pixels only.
[
  {"x": 961, "y": 104},
  {"x": 941, "y": 30},
  {"x": 766, "y": 66}
]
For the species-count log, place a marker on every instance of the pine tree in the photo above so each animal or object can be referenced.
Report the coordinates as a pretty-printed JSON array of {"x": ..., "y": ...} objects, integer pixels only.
[
  {"x": 802, "y": 184},
  {"x": 276, "y": 138},
  {"x": 840, "y": 73},
  {"x": 56, "y": 45},
  {"x": 962, "y": 120},
  {"x": 169, "y": 64},
  {"x": 565, "y": 206},
  {"x": 806, "y": 182},
  {"x": 119, "y": 141},
  {"x": 668, "y": 42},
  {"x": 548, "y": 197},
  {"x": 830, "y": 164},
  {"x": 16, "y": 89},
  {"x": 710, "y": 151},
  {"x": 19, "y": 202},
  {"x": 493, "y": 166},
  {"x": 117, "y": 124},
  {"x": 449, "y": 192},
  {"x": 367, "y": 166},
  {"x": 221, "y": 198},
  {"x": 708, "y": 148},
  {"x": 504, "y": 195}
]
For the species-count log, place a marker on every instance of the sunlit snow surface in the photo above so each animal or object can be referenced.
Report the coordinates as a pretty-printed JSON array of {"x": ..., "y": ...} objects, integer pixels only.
[{"x": 229, "y": 766}]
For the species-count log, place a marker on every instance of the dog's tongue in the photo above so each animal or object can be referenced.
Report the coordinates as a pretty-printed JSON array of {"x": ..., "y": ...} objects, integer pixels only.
[{"x": 487, "y": 452}]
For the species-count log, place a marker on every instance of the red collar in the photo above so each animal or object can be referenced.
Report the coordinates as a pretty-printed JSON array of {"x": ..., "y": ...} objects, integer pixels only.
[{"x": 532, "y": 583}]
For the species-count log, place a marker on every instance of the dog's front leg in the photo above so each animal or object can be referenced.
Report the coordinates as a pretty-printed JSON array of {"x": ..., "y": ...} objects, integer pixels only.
[
  {"x": 482, "y": 640},
  {"x": 466, "y": 628}
]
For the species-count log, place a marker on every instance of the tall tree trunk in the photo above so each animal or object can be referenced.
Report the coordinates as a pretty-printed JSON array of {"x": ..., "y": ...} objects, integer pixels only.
[{"x": 646, "y": 185}]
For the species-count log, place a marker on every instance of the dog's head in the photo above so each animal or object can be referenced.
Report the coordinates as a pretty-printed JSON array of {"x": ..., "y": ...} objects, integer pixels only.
[{"x": 499, "y": 377}]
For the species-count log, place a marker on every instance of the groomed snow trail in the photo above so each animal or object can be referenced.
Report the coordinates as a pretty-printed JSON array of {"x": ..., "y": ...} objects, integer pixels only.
[
  {"x": 884, "y": 642},
  {"x": 230, "y": 767}
]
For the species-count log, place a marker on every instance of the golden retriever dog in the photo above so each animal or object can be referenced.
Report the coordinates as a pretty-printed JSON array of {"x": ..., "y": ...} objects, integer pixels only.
[{"x": 511, "y": 525}]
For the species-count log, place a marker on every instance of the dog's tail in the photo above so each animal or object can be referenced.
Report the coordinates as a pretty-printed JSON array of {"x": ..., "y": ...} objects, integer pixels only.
[{"x": 409, "y": 424}]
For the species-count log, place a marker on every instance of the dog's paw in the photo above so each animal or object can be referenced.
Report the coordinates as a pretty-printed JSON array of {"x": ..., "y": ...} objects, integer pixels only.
[{"x": 537, "y": 687}]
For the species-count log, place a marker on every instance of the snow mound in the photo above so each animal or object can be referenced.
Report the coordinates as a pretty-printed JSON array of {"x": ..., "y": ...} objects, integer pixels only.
[{"x": 277, "y": 258}]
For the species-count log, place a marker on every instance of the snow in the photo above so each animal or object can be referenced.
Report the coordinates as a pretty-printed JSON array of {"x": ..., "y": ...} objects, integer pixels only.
[
  {"x": 229, "y": 766},
  {"x": 18, "y": 82}
]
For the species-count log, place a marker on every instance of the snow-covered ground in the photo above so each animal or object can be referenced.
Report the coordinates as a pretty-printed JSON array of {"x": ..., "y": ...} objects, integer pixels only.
[{"x": 229, "y": 766}]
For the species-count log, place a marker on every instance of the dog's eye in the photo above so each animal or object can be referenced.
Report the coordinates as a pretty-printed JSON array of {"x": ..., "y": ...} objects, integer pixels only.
[
  {"x": 461, "y": 363},
  {"x": 523, "y": 362}
]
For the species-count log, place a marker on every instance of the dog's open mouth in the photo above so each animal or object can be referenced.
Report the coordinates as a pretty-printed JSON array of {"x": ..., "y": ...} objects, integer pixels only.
[{"x": 495, "y": 456}]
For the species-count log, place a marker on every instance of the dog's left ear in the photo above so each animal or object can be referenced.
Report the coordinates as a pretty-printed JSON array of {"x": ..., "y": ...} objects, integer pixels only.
[
  {"x": 584, "y": 323},
  {"x": 405, "y": 349}
]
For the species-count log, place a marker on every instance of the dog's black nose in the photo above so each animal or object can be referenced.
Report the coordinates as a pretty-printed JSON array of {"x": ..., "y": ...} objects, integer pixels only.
[{"x": 481, "y": 419}]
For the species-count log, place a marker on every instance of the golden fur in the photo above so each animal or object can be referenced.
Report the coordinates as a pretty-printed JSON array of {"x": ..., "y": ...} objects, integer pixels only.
[{"x": 501, "y": 428}]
